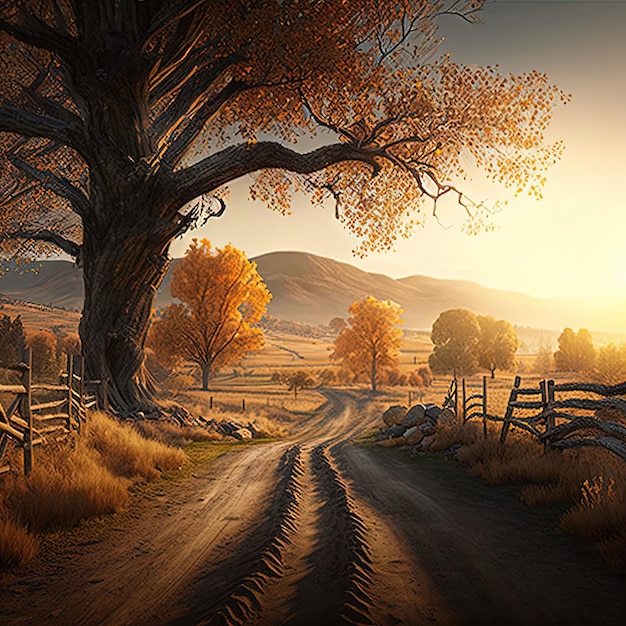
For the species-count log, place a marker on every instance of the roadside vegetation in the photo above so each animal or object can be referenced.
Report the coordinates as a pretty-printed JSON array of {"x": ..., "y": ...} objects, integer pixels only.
[
  {"x": 589, "y": 484},
  {"x": 89, "y": 476}
]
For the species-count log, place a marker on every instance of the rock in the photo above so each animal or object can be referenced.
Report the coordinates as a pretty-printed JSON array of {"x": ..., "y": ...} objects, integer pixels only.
[
  {"x": 395, "y": 431},
  {"x": 242, "y": 433},
  {"x": 446, "y": 416},
  {"x": 414, "y": 415},
  {"x": 433, "y": 411},
  {"x": 427, "y": 442},
  {"x": 394, "y": 415},
  {"x": 428, "y": 428},
  {"x": 413, "y": 436},
  {"x": 228, "y": 428}
]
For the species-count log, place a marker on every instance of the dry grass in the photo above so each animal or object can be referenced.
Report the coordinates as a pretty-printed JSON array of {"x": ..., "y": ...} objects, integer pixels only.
[
  {"x": 65, "y": 487},
  {"x": 590, "y": 481},
  {"x": 70, "y": 482},
  {"x": 173, "y": 434},
  {"x": 269, "y": 409},
  {"x": 124, "y": 452},
  {"x": 17, "y": 545}
]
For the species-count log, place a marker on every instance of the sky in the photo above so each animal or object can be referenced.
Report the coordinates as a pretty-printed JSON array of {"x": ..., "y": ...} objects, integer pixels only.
[{"x": 570, "y": 243}]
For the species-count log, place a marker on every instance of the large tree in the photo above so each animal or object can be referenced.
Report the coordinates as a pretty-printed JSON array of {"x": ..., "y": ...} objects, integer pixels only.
[
  {"x": 455, "y": 337},
  {"x": 121, "y": 122},
  {"x": 370, "y": 344},
  {"x": 221, "y": 299}
]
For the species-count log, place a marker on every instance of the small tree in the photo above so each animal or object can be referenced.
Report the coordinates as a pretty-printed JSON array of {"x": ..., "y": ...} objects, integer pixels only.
[
  {"x": 222, "y": 298},
  {"x": 296, "y": 380},
  {"x": 70, "y": 344},
  {"x": 497, "y": 345},
  {"x": 12, "y": 340},
  {"x": 455, "y": 334},
  {"x": 46, "y": 363},
  {"x": 576, "y": 352},
  {"x": 371, "y": 342},
  {"x": 337, "y": 325},
  {"x": 610, "y": 366}
]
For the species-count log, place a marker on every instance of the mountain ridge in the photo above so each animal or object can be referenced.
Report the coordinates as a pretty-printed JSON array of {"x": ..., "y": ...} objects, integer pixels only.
[{"x": 314, "y": 289}]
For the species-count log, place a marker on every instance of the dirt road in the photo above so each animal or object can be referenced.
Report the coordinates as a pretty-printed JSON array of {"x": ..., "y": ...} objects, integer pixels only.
[{"x": 317, "y": 531}]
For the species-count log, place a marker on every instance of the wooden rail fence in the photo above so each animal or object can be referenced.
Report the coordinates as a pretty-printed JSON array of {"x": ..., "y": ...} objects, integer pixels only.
[
  {"x": 29, "y": 422},
  {"x": 560, "y": 415}
]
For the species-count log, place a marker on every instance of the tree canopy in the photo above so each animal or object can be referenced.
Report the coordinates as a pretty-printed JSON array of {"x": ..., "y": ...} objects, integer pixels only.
[
  {"x": 455, "y": 335},
  {"x": 497, "y": 345},
  {"x": 576, "y": 352},
  {"x": 123, "y": 121},
  {"x": 222, "y": 297},
  {"x": 371, "y": 342}
]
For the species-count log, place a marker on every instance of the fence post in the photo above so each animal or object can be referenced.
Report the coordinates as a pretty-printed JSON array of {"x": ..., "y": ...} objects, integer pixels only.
[
  {"x": 243, "y": 405},
  {"x": 82, "y": 381},
  {"x": 456, "y": 398},
  {"x": 550, "y": 421},
  {"x": 485, "y": 407},
  {"x": 70, "y": 387},
  {"x": 506, "y": 424},
  {"x": 27, "y": 416}
]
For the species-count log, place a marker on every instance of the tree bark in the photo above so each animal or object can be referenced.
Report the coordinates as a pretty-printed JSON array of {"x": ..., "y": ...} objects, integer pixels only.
[
  {"x": 206, "y": 370},
  {"x": 123, "y": 267}
]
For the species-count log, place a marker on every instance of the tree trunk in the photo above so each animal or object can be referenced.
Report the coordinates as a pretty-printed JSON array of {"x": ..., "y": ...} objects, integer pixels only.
[
  {"x": 373, "y": 374},
  {"x": 123, "y": 267},
  {"x": 206, "y": 370}
]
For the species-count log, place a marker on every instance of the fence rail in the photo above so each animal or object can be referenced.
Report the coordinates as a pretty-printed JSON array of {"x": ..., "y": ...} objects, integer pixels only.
[
  {"x": 30, "y": 423},
  {"x": 556, "y": 421}
]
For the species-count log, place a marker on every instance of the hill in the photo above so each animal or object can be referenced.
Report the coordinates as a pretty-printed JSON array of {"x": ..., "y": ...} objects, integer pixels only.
[{"x": 313, "y": 289}]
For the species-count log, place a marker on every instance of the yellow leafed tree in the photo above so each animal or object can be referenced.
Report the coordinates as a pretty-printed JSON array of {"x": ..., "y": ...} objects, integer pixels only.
[
  {"x": 372, "y": 340},
  {"x": 222, "y": 298}
]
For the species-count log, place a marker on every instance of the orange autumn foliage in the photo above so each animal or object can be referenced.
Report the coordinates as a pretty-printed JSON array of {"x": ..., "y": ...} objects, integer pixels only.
[
  {"x": 222, "y": 298},
  {"x": 371, "y": 342}
]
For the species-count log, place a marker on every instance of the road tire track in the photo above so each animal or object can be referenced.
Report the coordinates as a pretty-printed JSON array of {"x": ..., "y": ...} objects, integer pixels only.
[{"x": 243, "y": 604}]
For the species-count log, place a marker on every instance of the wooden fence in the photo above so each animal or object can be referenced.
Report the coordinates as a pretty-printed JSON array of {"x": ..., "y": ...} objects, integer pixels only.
[
  {"x": 29, "y": 423},
  {"x": 560, "y": 415}
]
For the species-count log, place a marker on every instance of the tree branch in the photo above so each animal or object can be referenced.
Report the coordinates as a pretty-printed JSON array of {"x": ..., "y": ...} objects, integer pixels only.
[
  {"x": 51, "y": 182},
  {"x": 27, "y": 124},
  {"x": 236, "y": 161},
  {"x": 179, "y": 146},
  {"x": 37, "y": 33},
  {"x": 48, "y": 236}
]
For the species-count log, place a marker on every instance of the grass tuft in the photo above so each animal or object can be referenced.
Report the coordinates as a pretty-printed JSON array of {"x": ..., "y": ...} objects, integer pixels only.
[
  {"x": 124, "y": 452},
  {"x": 17, "y": 545}
]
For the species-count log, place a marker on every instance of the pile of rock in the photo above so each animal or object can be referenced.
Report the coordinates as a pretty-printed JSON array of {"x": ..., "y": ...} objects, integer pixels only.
[
  {"x": 234, "y": 429},
  {"x": 415, "y": 426}
]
